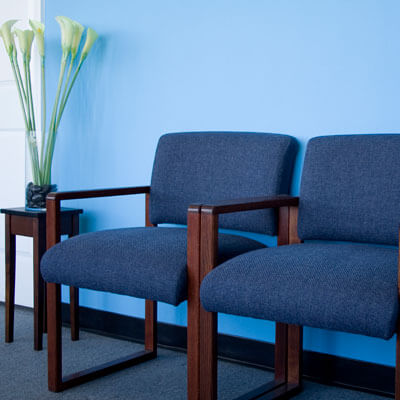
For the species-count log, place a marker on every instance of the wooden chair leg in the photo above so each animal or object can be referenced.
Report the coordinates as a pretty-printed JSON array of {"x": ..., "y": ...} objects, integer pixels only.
[
  {"x": 54, "y": 337},
  {"x": 397, "y": 370},
  {"x": 10, "y": 280},
  {"x": 208, "y": 355},
  {"x": 295, "y": 352},
  {"x": 56, "y": 382},
  {"x": 39, "y": 248},
  {"x": 150, "y": 341},
  {"x": 74, "y": 292},
  {"x": 286, "y": 383},
  {"x": 74, "y": 312},
  {"x": 281, "y": 352},
  {"x": 193, "y": 304}
]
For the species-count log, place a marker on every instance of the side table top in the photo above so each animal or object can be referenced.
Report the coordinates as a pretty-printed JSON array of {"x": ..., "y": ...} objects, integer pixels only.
[{"x": 21, "y": 211}]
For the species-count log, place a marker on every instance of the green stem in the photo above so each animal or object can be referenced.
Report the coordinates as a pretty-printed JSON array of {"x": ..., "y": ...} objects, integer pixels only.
[
  {"x": 62, "y": 106},
  {"x": 29, "y": 87},
  {"x": 15, "y": 59},
  {"x": 28, "y": 105},
  {"x": 67, "y": 81},
  {"x": 19, "y": 94},
  {"x": 52, "y": 127},
  {"x": 34, "y": 143},
  {"x": 43, "y": 114}
]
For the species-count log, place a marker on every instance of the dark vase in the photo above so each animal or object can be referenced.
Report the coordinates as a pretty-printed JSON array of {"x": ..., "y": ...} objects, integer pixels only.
[{"x": 35, "y": 195}]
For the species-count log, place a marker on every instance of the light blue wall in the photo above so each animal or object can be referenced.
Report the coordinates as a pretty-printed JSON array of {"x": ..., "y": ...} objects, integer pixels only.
[{"x": 302, "y": 67}]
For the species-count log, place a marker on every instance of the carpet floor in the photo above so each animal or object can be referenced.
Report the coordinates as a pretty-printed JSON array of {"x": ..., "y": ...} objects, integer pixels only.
[{"x": 23, "y": 371}]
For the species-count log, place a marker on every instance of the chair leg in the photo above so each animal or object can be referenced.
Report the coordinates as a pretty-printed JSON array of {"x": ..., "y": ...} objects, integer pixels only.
[
  {"x": 295, "y": 353},
  {"x": 150, "y": 342},
  {"x": 208, "y": 355},
  {"x": 397, "y": 371},
  {"x": 54, "y": 352},
  {"x": 56, "y": 382},
  {"x": 74, "y": 312},
  {"x": 287, "y": 381}
]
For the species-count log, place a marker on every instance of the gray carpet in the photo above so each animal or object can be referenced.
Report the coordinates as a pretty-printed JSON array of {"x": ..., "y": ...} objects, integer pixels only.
[{"x": 23, "y": 371}]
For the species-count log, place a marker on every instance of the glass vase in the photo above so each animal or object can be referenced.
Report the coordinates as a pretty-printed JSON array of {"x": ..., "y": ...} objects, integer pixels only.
[{"x": 37, "y": 173}]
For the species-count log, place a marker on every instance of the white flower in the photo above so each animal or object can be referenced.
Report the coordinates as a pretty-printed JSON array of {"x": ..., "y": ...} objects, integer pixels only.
[
  {"x": 7, "y": 36},
  {"x": 38, "y": 29},
  {"x": 91, "y": 37},
  {"x": 76, "y": 40},
  {"x": 67, "y": 33},
  {"x": 25, "y": 39}
]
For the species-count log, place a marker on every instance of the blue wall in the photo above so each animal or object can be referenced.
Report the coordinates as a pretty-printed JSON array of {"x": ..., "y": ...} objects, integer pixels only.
[{"x": 301, "y": 67}]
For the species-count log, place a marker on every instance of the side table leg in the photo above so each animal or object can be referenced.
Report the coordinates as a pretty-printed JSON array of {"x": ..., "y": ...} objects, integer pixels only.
[
  {"x": 39, "y": 247},
  {"x": 10, "y": 280},
  {"x": 73, "y": 291}
]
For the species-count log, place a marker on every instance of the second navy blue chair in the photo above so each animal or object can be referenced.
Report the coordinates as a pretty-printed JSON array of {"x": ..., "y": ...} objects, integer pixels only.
[
  {"x": 159, "y": 263},
  {"x": 343, "y": 277}
]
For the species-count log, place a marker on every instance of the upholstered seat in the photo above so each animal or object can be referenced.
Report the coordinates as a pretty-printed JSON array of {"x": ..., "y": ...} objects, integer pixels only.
[
  {"x": 149, "y": 263},
  {"x": 314, "y": 284}
]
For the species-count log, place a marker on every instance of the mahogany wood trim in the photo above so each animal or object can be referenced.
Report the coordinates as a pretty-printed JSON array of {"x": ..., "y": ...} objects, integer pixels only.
[
  {"x": 208, "y": 320},
  {"x": 56, "y": 383},
  {"x": 106, "y": 368},
  {"x": 10, "y": 280},
  {"x": 280, "y": 391},
  {"x": 39, "y": 248},
  {"x": 73, "y": 291},
  {"x": 248, "y": 204},
  {"x": 295, "y": 352},
  {"x": 281, "y": 352},
  {"x": 150, "y": 336},
  {"x": 288, "y": 345},
  {"x": 150, "y": 323},
  {"x": 397, "y": 370},
  {"x": 22, "y": 225},
  {"x": 293, "y": 218},
  {"x": 86, "y": 194},
  {"x": 54, "y": 348},
  {"x": 147, "y": 212},
  {"x": 193, "y": 304}
]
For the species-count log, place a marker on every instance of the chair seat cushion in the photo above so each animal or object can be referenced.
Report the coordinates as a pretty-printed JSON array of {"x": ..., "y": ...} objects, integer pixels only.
[
  {"x": 346, "y": 287},
  {"x": 148, "y": 262}
]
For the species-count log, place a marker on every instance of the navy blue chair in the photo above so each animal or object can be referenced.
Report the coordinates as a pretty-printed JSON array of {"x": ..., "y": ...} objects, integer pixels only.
[
  {"x": 340, "y": 270},
  {"x": 159, "y": 263}
]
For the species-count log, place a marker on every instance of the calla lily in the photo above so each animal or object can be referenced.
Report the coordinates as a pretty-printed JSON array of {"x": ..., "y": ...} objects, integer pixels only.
[
  {"x": 25, "y": 39},
  {"x": 91, "y": 37},
  {"x": 29, "y": 40},
  {"x": 38, "y": 29},
  {"x": 76, "y": 40},
  {"x": 67, "y": 33},
  {"x": 8, "y": 39}
]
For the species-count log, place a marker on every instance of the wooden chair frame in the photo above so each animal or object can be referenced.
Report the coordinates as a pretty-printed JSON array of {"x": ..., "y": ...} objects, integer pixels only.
[
  {"x": 288, "y": 344},
  {"x": 56, "y": 382},
  {"x": 202, "y": 325}
]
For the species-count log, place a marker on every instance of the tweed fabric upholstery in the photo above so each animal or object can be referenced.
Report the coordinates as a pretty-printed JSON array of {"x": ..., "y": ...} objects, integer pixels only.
[
  {"x": 350, "y": 189},
  {"x": 205, "y": 167},
  {"x": 148, "y": 263},
  {"x": 347, "y": 287}
]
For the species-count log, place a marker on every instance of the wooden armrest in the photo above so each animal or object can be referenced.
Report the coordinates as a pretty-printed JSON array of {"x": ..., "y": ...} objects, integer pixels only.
[
  {"x": 53, "y": 200},
  {"x": 248, "y": 204},
  {"x": 86, "y": 194},
  {"x": 287, "y": 224}
]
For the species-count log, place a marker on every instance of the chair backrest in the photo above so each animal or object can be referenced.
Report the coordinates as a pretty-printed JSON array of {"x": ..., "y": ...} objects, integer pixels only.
[
  {"x": 200, "y": 167},
  {"x": 350, "y": 189}
]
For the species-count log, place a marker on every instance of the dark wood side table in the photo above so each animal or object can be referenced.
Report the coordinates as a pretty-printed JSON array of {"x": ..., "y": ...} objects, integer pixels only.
[{"x": 33, "y": 224}]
